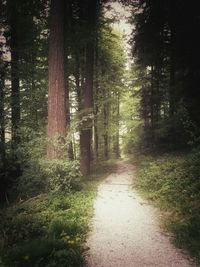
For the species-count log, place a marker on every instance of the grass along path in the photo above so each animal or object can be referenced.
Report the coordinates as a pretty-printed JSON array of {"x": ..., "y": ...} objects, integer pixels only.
[{"x": 125, "y": 229}]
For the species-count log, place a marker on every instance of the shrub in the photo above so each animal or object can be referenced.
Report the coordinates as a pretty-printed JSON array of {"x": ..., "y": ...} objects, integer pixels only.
[{"x": 61, "y": 175}]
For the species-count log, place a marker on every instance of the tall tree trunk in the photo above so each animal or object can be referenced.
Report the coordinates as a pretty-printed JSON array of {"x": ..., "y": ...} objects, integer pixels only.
[
  {"x": 68, "y": 21},
  {"x": 86, "y": 131},
  {"x": 56, "y": 130}
]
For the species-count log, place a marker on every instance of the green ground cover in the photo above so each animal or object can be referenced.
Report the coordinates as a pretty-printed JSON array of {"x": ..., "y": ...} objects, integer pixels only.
[
  {"x": 172, "y": 182},
  {"x": 50, "y": 229}
]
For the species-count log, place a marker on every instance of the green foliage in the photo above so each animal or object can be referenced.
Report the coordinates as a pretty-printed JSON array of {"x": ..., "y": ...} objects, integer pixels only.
[
  {"x": 62, "y": 175},
  {"x": 39, "y": 174},
  {"x": 172, "y": 181},
  {"x": 48, "y": 230},
  {"x": 29, "y": 154},
  {"x": 130, "y": 122}
]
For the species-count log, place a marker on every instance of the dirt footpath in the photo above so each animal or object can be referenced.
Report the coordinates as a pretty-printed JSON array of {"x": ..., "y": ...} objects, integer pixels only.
[{"x": 125, "y": 229}]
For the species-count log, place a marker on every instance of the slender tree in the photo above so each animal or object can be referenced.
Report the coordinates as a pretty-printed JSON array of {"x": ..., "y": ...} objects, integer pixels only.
[{"x": 90, "y": 11}]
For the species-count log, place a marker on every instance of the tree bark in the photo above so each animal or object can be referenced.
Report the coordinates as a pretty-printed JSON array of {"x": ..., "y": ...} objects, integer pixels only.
[
  {"x": 86, "y": 131},
  {"x": 68, "y": 22},
  {"x": 56, "y": 129}
]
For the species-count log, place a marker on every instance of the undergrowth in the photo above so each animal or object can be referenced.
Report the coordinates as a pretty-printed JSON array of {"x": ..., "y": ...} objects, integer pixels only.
[
  {"x": 49, "y": 230},
  {"x": 172, "y": 182}
]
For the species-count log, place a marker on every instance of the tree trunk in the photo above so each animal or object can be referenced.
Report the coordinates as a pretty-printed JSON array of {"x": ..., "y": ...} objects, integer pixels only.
[
  {"x": 116, "y": 143},
  {"x": 15, "y": 90},
  {"x": 172, "y": 77},
  {"x": 86, "y": 131},
  {"x": 15, "y": 95},
  {"x": 2, "y": 125},
  {"x": 68, "y": 22},
  {"x": 152, "y": 99},
  {"x": 105, "y": 117},
  {"x": 56, "y": 130},
  {"x": 2, "y": 143},
  {"x": 96, "y": 108}
]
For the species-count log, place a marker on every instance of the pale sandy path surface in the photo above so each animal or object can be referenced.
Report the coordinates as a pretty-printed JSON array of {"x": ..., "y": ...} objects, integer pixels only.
[{"x": 125, "y": 229}]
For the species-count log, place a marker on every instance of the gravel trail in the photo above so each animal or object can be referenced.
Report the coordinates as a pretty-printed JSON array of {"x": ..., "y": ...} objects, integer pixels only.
[{"x": 125, "y": 229}]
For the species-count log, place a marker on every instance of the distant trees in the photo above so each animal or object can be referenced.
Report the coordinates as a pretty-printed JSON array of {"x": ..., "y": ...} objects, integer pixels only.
[{"x": 109, "y": 87}]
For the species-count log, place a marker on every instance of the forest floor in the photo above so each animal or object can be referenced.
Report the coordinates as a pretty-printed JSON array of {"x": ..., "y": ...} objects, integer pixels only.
[{"x": 126, "y": 230}]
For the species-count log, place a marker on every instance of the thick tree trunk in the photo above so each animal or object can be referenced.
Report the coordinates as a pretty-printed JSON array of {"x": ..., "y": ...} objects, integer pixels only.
[{"x": 56, "y": 94}]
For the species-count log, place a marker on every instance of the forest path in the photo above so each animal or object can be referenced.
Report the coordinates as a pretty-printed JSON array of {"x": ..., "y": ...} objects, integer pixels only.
[{"x": 125, "y": 229}]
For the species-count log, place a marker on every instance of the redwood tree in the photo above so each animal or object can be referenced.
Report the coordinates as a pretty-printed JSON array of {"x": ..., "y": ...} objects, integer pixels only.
[{"x": 56, "y": 83}]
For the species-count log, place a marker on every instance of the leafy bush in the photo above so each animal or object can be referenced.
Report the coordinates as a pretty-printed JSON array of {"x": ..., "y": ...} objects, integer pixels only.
[
  {"x": 61, "y": 175},
  {"x": 29, "y": 154},
  {"x": 39, "y": 174}
]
